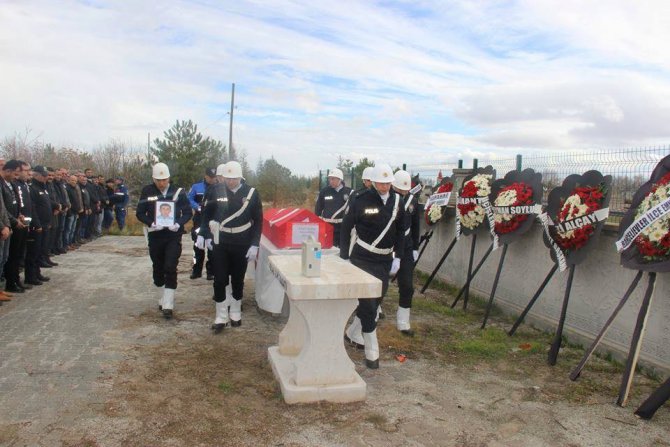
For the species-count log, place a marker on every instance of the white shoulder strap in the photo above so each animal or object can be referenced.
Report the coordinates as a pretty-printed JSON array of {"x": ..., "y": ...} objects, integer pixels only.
[
  {"x": 390, "y": 222},
  {"x": 241, "y": 210}
]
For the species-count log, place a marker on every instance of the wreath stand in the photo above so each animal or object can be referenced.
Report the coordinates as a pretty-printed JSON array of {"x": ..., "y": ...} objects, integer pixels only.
[
  {"x": 471, "y": 273},
  {"x": 495, "y": 285},
  {"x": 532, "y": 301},
  {"x": 439, "y": 264},
  {"x": 636, "y": 341}
]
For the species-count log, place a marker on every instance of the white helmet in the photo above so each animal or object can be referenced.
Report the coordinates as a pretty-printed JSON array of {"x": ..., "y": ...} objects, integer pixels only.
[
  {"x": 160, "y": 171},
  {"x": 336, "y": 173},
  {"x": 232, "y": 169},
  {"x": 402, "y": 180},
  {"x": 382, "y": 174},
  {"x": 367, "y": 173},
  {"x": 220, "y": 169}
]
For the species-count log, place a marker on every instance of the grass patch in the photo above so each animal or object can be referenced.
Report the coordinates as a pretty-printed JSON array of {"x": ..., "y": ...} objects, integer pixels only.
[{"x": 225, "y": 387}]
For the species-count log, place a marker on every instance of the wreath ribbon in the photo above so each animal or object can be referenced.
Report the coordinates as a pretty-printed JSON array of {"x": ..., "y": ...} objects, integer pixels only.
[
  {"x": 560, "y": 257},
  {"x": 641, "y": 224}
]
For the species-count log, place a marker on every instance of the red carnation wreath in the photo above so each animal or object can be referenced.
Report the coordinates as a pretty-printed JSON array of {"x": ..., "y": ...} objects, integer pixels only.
[
  {"x": 654, "y": 242},
  {"x": 434, "y": 213},
  {"x": 582, "y": 201},
  {"x": 516, "y": 194}
]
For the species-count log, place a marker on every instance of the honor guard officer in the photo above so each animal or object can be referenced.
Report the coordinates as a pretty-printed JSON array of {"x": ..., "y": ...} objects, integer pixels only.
[
  {"x": 232, "y": 218},
  {"x": 402, "y": 184},
  {"x": 196, "y": 197},
  {"x": 164, "y": 241},
  {"x": 377, "y": 218},
  {"x": 332, "y": 201}
]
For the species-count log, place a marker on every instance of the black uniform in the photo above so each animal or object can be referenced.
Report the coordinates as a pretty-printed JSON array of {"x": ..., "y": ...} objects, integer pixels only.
[
  {"x": 22, "y": 190},
  {"x": 17, "y": 239},
  {"x": 164, "y": 245},
  {"x": 236, "y": 236},
  {"x": 405, "y": 274},
  {"x": 37, "y": 251},
  {"x": 330, "y": 207},
  {"x": 368, "y": 214}
]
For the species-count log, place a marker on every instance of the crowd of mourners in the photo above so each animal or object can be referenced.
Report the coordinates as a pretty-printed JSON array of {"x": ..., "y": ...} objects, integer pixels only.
[{"x": 46, "y": 212}]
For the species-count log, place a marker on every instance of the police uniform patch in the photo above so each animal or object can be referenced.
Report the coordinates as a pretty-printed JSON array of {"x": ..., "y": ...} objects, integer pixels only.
[
  {"x": 371, "y": 210},
  {"x": 152, "y": 198},
  {"x": 328, "y": 198}
]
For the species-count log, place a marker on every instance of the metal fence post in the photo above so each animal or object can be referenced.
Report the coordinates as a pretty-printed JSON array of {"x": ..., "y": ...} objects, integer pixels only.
[
  {"x": 460, "y": 164},
  {"x": 475, "y": 162},
  {"x": 518, "y": 162}
]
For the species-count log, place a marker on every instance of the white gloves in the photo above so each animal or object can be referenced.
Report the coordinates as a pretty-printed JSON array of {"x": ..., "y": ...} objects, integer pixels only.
[
  {"x": 155, "y": 227},
  {"x": 415, "y": 254},
  {"x": 200, "y": 242},
  {"x": 208, "y": 244},
  {"x": 252, "y": 253},
  {"x": 174, "y": 227},
  {"x": 395, "y": 266}
]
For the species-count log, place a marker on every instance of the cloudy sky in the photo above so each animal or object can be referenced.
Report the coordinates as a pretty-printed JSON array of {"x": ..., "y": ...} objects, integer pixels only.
[{"x": 416, "y": 82}]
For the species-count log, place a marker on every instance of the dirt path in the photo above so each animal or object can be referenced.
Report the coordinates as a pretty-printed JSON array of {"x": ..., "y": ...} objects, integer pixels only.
[{"x": 140, "y": 380}]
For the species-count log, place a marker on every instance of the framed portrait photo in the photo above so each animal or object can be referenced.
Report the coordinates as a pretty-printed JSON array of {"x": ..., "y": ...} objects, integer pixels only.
[{"x": 164, "y": 213}]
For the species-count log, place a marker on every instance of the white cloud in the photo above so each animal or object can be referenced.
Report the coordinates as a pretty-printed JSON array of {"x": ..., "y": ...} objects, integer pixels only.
[{"x": 415, "y": 82}]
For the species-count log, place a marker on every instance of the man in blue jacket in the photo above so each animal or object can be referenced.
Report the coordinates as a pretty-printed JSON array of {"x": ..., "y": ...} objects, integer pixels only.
[
  {"x": 195, "y": 197},
  {"x": 121, "y": 202}
]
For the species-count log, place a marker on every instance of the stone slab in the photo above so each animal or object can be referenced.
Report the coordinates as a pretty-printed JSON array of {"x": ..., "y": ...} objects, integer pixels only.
[
  {"x": 283, "y": 368},
  {"x": 339, "y": 279}
]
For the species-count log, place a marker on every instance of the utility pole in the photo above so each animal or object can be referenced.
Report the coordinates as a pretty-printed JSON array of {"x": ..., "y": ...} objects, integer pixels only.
[
  {"x": 230, "y": 130},
  {"x": 148, "y": 147}
]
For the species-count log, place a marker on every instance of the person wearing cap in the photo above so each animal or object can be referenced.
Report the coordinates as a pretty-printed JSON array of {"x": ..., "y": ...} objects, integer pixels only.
[
  {"x": 402, "y": 184},
  {"x": 332, "y": 201},
  {"x": 376, "y": 244},
  {"x": 164, "y": 242},
  {"x": 195, "y": 197},
  {"x": 232, "y": 218},
  {"x": 44, "y": 208},
  {"x": 121, "y": 193}
]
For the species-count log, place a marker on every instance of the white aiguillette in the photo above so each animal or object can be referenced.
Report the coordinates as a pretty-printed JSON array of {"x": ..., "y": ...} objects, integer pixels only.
[{"x": 311, "y": 258}]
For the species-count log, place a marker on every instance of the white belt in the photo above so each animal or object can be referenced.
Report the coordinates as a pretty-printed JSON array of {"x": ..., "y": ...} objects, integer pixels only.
[
  {"x": 233, "y": 230},
  {"x": 329, "y": 220},
  {"x": 370, "y": 248}
]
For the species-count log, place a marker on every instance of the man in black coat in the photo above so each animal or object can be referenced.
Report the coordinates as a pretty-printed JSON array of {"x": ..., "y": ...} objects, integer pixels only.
[
  {"x": 332, "y": 201},
  {"x": 378, "y": 218},
  {"x": 43, "y": 208},
  {"x": 10, "y": 173},
  {"x": 232, "y": 218},
  {"x": 164, "y": 241}
]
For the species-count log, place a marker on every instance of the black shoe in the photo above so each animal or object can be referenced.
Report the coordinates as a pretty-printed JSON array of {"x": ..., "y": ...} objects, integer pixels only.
[
  {"x": 50, "y": 262},
  {"x": 210, "y": 277},
  {"x": 15, "y": 289},
  {"x": 195, "y": 275},
  {"x": 44, "y": 265},
  {"x": 167, "y": 313},
  {"x": 218, "y": 328},
  {"x": 24, "y": 286},
  {"x": 34, "y": 282},
  {"x": 372, "y": 364},
  {"x": 234, "y": 323},
  {"x": 353, "y": 343},
  {"x": 407, "y": 332},
  {"x": 381, "y": 315},
  {"x": 43, "y": 278}
]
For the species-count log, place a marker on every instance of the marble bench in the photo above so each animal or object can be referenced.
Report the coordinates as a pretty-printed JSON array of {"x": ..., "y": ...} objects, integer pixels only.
[{"x": 310, "y": 363}]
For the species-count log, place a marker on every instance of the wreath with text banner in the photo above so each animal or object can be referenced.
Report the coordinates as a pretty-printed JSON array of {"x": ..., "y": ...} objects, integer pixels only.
[
  {"x": 644, "y": 232},
  {"x": 473, "y": 199},
  {"x": 516, "y": 199},
  {"x": 437, "y": 202},
  {"x": 577, "y": 211}
]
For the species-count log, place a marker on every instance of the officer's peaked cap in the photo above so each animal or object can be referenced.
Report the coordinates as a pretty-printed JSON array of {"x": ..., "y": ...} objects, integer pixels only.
[{"x": 160, "y": 171}]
